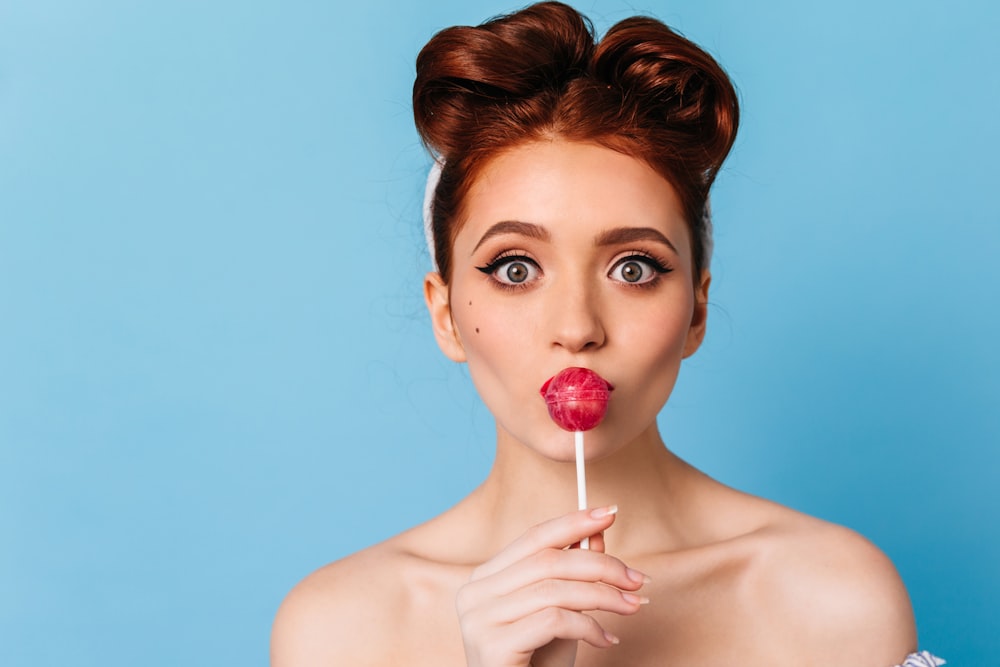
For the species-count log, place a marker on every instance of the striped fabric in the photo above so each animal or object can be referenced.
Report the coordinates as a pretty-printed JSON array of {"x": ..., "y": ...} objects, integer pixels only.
[{"x": 922, "y": 659}]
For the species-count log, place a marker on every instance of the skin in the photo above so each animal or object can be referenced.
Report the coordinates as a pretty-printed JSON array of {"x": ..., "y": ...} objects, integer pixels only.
[{"x": 682, "y": 569}]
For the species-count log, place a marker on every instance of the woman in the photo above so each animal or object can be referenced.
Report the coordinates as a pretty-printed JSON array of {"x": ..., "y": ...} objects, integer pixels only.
[{"x": 569, "y": 227}]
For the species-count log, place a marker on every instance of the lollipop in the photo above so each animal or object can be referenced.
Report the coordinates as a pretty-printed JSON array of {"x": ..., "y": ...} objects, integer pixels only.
[{"x": 577, "y": 399}]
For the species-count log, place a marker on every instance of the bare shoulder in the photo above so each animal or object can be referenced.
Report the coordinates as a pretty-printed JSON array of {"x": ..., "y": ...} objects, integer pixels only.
[
  {"x": 839, "y": 591},
  {"x": 371, "y": 609},
  {"x": 326, "y": 618}
]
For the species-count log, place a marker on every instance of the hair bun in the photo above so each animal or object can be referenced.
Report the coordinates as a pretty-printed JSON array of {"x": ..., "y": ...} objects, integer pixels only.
[
  {"x": 465, "y": 71},
  {"x": 673, "y": 84},
  {"x": 644, "y": 91}
]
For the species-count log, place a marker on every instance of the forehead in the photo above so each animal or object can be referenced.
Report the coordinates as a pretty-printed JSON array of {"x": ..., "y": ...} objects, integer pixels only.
[{"x": 570, "y": 187}]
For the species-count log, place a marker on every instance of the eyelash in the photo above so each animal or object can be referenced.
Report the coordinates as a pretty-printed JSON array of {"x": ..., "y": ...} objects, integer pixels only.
[
  {"x": 659, "y": 266},
  {"x": 507, "y": 257}
]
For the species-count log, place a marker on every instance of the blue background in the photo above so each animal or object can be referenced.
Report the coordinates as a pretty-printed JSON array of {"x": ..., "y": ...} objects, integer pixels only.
[{"x": 216, "y": 373}]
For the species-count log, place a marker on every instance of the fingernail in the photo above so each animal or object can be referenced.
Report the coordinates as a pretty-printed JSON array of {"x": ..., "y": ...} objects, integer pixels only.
[
  {"x": 602, "y": 512},
  {"x": 632, "y": 598},
  {"x": 611, "y": 638},
  {"x": 637, "y": 576}
]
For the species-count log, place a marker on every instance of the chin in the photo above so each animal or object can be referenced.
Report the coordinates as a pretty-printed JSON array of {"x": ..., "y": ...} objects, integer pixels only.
[
  {"x": 561, "y": 453},
  {"x": 560, "y": 446}
]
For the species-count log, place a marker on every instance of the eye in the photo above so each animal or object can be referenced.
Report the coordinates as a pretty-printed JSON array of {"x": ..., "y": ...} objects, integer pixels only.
[
  {"x": 512, "y": 270},
  {"x": 637, "y": 270}
]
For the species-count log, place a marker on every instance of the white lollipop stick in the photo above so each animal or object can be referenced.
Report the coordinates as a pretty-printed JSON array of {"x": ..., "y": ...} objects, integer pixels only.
[
  {"x": 581, "y": 481},
  {"x": 577, "y": 399}
]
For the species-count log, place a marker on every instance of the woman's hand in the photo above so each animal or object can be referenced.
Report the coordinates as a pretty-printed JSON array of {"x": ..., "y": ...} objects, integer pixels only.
[{"x": 525, "y": 606}]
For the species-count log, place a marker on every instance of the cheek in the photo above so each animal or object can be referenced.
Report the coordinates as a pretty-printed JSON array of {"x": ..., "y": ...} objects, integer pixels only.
[
  {"x": 476, "y": 328},
  {"x": 648, "y": 371},
  {"x": 499, "y": 335},
  {"x": 487, "y": 336},
  {"x": 655, "y": 342},
  {"x": 480, "y": 324},
  {"x": 497, "y": 358},
  {"x": 656, "y": 327}
]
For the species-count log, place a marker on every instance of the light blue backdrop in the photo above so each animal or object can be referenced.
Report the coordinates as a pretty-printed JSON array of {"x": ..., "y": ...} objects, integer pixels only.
[{"x": 215, "y": 369}]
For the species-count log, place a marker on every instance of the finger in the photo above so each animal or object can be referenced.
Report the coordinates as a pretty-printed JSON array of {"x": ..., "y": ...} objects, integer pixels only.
[
  {"x": 556, "y": 533},
  {"x": 596, "y": 542},
  {"x": 552, "y": 565},
  {"x": 552, "y": 623},
  {"x": 570, "y": 595},
  {"x": 557, "y": 653}
]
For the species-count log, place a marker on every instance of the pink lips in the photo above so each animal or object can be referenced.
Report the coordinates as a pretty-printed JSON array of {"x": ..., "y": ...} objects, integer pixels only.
[{"x": 577, "y": 398}]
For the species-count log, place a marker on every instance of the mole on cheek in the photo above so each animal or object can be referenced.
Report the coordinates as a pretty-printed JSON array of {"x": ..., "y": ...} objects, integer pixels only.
[{"x": 477, "y": 329}]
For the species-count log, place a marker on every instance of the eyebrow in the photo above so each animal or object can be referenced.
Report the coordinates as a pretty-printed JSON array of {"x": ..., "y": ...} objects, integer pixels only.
[
  {"x": 623, "y": 235},
  {"x": 514, "y": 227},
  {"x": 616, "y": 236}
]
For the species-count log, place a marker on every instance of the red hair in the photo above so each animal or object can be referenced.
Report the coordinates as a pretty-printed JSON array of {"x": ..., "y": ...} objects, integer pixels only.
[{"x": 642, "y": 90}]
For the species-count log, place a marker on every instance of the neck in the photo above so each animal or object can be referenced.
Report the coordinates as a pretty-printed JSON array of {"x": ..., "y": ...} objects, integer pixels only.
[{"x": 643, "y": 478}]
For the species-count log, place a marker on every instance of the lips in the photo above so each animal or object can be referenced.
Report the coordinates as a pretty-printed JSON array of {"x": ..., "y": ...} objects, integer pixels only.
[{"x": 577, "y": 398}]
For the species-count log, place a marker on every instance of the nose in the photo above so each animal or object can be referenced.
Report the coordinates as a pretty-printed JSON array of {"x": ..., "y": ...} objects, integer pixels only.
[{"x": 575, "y": 318}]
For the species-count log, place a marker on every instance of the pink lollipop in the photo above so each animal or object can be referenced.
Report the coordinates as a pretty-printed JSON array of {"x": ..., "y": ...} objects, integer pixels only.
[{"x": 577, "y": 399}]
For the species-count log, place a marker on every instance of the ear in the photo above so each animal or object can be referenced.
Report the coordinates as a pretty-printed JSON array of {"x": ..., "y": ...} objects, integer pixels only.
[
  {"x": 699, "y": 318},
  {"x": 438, "y": 299}
]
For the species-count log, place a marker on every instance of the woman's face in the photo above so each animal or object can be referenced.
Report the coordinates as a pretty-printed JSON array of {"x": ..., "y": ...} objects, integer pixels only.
[{"x": 570, "y": 254}]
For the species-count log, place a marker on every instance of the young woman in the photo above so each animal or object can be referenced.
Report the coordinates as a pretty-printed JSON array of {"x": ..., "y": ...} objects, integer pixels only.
[{"x": 570, "y": 227}]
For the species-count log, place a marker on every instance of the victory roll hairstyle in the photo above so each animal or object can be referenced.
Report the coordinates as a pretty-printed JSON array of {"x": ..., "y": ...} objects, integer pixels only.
[{"x": 539, "y": 73}]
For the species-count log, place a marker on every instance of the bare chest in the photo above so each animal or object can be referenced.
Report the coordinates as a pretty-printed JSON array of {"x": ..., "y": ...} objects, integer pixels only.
[{"x": 700, "y": 619}]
